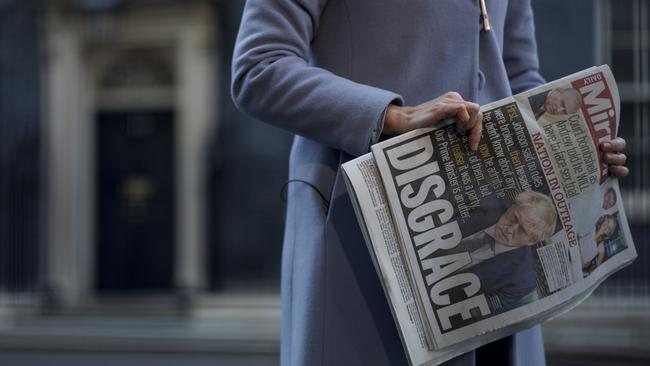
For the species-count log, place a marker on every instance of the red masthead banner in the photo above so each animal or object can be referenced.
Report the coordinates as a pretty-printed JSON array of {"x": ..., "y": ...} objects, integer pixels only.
[{"x": 599, "y": 111}]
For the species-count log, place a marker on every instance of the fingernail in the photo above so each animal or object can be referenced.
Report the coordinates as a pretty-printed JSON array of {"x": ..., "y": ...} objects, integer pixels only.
[{"x": 606, "y": 145}]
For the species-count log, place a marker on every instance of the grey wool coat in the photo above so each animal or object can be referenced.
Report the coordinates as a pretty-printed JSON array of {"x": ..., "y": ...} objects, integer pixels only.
[{"x": 325, "y": 70}]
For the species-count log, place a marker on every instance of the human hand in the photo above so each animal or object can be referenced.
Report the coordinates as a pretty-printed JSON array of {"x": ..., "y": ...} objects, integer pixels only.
[
  {"x": 613, "y": 155},
  {"x": 401, "y": 119}
]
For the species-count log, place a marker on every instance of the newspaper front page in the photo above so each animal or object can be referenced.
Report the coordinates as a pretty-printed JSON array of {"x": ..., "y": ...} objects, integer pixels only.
[{"x": 481, "y": 244}]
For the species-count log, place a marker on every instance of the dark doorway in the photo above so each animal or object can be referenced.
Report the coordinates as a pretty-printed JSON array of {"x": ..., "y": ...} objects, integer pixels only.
[
  {"x": 21, "y": 153},
  {"x": 135, "y": 201}
]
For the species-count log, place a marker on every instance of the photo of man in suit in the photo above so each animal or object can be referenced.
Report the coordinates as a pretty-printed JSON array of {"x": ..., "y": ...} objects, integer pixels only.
[
  {"x": 556, "y": 101},
  {"x": 502, "y": 255}
]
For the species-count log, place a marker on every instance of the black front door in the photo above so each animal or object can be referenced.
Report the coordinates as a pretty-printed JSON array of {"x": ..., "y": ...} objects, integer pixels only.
[{"x": 135, "y": 201}]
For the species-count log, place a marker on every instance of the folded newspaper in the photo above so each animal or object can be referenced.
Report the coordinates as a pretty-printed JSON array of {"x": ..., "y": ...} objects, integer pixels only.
[{"x": 472, "y": 246}]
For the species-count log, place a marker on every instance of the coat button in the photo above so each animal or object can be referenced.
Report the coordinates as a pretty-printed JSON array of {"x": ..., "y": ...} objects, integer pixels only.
[{"x": 481, "y": 80}]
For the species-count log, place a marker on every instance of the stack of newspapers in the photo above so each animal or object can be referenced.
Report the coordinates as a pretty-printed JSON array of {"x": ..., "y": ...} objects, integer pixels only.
[{"x": 472, "y": 246}]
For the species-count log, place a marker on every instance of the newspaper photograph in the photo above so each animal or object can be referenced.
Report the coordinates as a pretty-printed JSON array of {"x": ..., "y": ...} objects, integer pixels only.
[{"x": 483, "y": 243}]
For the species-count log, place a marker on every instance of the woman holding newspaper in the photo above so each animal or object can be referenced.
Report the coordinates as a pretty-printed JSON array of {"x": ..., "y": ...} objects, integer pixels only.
[{"x": 340, "y": 74}]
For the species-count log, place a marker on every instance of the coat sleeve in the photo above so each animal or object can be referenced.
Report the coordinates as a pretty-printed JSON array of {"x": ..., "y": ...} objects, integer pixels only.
[
  {"x": 273, "y": 80},
  {"x": 520, "y": 47}
]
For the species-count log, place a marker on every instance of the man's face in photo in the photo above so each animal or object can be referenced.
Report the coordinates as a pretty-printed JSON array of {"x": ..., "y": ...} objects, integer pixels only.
[
  {"x": 609, "y": 200},
  {"x": 563, "y": 101},
  {"x": 517, "y": 227}
]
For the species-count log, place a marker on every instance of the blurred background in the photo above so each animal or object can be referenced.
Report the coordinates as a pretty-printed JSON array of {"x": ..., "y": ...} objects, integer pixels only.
[{"x": 141, "y": 215}]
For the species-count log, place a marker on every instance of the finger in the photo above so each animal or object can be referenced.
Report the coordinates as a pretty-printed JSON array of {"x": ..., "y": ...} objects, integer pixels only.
[
  {"x": 614, "y": 158},
  {"x": 440, "y": 112},
  {"x": 457, "y": 110},
  {"x": 468, "y": 125},
  {"x": 475, "y": 134},
  {"x": 455, "y": 96},
  {"x": 473, "y": 110},
  {"x": 615, "y": 145},
  {"x": 472, "y": 107},
  {"x": 618, "y": 170},
  {"x": 463, "y": 114}
]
